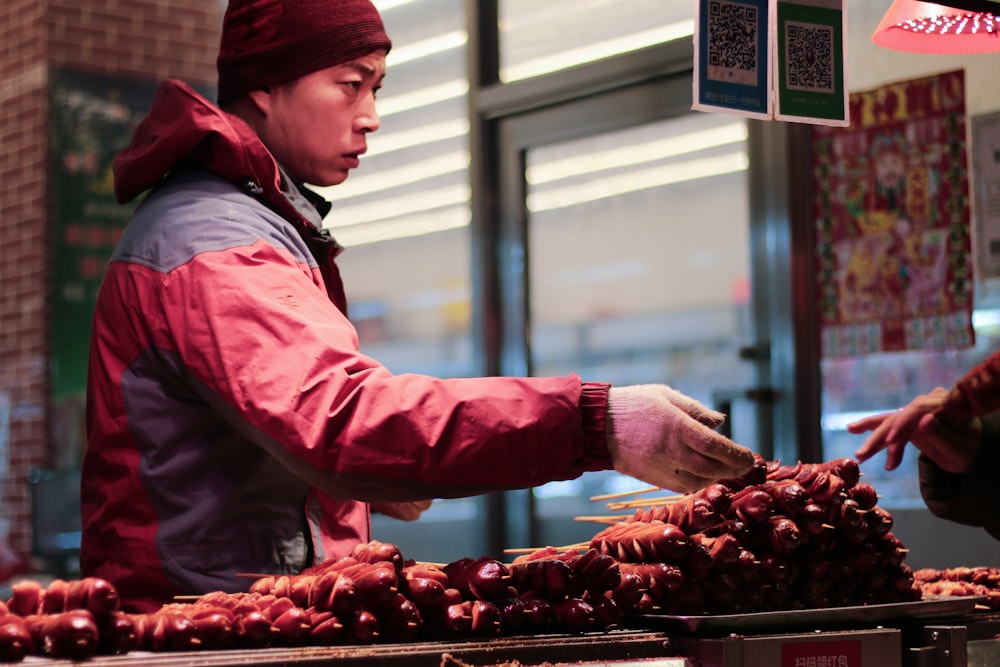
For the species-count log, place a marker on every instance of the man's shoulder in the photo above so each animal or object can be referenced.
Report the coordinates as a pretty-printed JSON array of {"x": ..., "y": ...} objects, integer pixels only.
[
  {"x": 195, "y": 190},
  {"x": 194, "y": 212}
]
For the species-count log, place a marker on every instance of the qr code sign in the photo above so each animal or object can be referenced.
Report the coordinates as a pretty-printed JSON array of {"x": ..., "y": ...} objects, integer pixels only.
[
  {"x": 732, "y": 42},
  {"x": 809, "y": 60}
]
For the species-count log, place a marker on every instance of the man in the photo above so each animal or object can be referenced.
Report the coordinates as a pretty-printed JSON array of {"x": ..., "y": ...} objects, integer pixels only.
[{"x": 233, "y": 423}]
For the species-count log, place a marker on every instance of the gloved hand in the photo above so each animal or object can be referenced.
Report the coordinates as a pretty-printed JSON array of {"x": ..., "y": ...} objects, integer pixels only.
[
  {"x": 408, "y": 511},
  {"x": 664, "y": 438}
]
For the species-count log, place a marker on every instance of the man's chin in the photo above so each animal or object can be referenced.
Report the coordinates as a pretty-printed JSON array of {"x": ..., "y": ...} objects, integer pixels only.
[{"x": 334, "y": 179}]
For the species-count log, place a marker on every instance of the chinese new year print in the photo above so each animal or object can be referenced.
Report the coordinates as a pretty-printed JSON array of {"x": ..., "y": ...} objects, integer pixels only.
[{"x": 892, "y": 206}]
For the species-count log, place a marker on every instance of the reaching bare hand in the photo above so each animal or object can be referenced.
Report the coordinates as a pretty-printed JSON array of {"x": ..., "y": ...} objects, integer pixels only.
[{"x": 951, "y": 444}]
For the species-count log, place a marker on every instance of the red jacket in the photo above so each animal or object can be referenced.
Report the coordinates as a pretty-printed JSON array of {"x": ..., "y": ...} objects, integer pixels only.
[{"x": 233, "y": 424}]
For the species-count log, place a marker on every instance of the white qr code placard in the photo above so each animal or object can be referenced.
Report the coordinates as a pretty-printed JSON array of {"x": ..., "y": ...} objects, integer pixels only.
[
  {"x": 732, "y": 58},
  {"x": 986, "y": 177},
  {"x": 733, "y": 53}
]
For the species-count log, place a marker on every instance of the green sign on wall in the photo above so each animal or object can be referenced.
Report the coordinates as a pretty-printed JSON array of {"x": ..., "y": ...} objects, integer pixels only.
[{"x": 91, "y": 120}]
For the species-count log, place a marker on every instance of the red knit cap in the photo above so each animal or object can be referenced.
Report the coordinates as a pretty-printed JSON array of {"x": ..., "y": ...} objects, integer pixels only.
[{"x": 270, "y": 41}]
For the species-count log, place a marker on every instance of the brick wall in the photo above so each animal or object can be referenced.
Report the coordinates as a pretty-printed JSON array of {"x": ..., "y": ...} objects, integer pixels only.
[
  {"x": 22, "y": 239},
  {"x": 144, "y": 39}
]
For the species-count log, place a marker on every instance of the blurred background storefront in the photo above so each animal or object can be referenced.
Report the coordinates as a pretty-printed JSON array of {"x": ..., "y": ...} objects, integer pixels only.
[{"x": 540, "y": 200}]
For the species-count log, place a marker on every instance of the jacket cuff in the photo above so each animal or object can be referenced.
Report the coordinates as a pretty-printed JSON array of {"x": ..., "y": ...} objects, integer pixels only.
[
  {"x": 966, "y": 499},
  {"x": 594, "y": 413}
]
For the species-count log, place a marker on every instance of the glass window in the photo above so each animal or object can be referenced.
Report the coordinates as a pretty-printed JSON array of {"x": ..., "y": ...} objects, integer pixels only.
[
  {"x": 403, "y": 217},
  {"x": 539, "y": 38},
  {"x": 639, "y": 272}
]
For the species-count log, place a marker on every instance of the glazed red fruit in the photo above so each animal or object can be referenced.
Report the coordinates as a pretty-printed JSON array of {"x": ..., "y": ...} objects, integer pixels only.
[
  {"x": 480, "y": 579},
  {"x": 70, "y": 635},
  {"x": 15, "y": 640}
]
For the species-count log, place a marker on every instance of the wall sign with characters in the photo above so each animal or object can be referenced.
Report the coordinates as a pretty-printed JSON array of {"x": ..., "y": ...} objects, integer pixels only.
[{"x": 893, "y": 221}]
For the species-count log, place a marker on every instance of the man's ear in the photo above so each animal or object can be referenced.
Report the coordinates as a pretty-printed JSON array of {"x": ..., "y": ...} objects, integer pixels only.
[{"x": 261, "y": 100}]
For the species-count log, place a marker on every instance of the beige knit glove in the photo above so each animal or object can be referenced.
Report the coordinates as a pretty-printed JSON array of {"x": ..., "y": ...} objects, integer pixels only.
[{"x": 664, "y": 438}]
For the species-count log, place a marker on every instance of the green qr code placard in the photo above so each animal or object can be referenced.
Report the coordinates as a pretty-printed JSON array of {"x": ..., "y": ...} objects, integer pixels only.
[{"x": 809, "y": 62}]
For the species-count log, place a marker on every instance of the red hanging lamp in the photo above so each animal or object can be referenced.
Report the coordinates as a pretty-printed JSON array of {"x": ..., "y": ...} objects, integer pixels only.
[{"x": 955, "y": 27}]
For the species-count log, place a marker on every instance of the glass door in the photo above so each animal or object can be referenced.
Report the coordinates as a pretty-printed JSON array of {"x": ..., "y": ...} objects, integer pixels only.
[{"x": 636, "y": 259}]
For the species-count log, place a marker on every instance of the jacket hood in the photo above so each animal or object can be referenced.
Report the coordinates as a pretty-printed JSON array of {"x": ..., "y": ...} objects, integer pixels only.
[{"x": 182, "y": 127}]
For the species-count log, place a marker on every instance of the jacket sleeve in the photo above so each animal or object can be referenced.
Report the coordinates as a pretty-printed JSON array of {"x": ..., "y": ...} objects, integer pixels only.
[
  {"x": 976, "y": 393},
  {"x": 256, "y": 331},
  {"x": 969, "y": 499}
]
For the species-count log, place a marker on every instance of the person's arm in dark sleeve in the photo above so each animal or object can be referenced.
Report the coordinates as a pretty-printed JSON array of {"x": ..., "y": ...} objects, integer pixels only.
[{"x": 971, "y": 499}]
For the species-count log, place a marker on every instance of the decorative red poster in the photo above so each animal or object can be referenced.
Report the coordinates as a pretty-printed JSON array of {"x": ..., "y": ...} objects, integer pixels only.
[{"x": 892, "y": 206}]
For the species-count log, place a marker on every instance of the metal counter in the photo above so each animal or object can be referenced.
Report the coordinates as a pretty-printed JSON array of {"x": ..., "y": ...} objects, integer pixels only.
[
  {"x": 934, "y": 633},
  {"x": 650, "y": 649}
]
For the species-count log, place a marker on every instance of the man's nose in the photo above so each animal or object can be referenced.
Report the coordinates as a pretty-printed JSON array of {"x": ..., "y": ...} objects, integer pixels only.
[{"x": 368, "y": 119}]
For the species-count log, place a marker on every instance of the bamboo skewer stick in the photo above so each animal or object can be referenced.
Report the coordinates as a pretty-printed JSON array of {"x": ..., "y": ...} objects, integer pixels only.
[
  {"x": 648, "y": 502},
  {"x": 261, "y": 575},
  {"x": 530, "y": 550},
  {"x": 602, "y": 519},
  {"x": 624, "y": 494}
]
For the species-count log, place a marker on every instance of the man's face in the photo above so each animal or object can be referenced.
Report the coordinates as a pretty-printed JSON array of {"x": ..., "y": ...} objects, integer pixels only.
[
  {"x": 317, "y": 126},
  {"x": 889, "y": 169}
]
